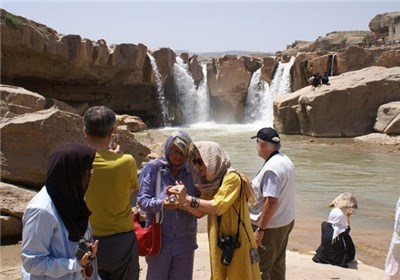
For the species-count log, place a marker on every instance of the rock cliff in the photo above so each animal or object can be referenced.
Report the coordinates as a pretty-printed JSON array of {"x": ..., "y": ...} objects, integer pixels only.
[{"x": 83, "y": 73}]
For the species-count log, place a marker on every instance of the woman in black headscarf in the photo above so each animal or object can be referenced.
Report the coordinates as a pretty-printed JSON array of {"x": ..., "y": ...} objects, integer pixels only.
[{"x": 56, "y": 220}]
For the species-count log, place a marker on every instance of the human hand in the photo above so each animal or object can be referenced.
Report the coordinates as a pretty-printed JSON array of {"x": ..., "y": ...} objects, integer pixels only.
[
  {"x": 94, "y": 246},
  {"x": 116, "y": 148},
  {"x": 180, "y": 190},
  {"x": 258, "y": 236},
  {"x": 89, "y": 255},
  {"x": 349, "y": 211},
  {"x": 171, "y": 201}
]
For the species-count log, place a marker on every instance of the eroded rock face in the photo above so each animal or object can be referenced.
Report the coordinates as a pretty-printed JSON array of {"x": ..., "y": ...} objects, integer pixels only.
[
  {"x": 77, "y": 70},
  {"x": 388, "y": 118},
  {"x": 28, "y": 140},
  {"x": 20, "y": 101},
  {"x": 347, "y": 107},
  {"x": 13, "y": 203},
  {"x": 380, "y": 23},
  {"x": 195, "y": 69},
  {"x": 228, "y": 80}
]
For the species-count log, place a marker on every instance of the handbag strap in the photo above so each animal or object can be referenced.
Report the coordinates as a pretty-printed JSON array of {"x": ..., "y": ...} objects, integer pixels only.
[{"x": 158, "y": 190}]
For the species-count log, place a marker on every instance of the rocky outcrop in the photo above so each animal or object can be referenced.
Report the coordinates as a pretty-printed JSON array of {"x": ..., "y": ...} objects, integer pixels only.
[
  {"x": 388, "y": 118},
  {"x": 18, "y": 101},
  {"x": 228, "y": 80},
  {"x": 347, "y": 107},
  {"x": 335, "y": 41},
  {"x": 28, "y": 139},
  {"x": 336, "y": 63},
  {"x": 77, "y": 70},
  {"x": 196, "y": 70},
  {"x": 13, "y": 203},
  {"x": 382, "y": 23},
  {"x": 80, "y": 73}
]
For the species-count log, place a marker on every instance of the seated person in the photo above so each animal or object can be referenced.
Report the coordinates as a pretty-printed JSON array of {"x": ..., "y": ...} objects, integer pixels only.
[
  {"x": 325, "y": 79},
  {"x": 337, "y": 247},
  {"x": 315, "y": 80}
]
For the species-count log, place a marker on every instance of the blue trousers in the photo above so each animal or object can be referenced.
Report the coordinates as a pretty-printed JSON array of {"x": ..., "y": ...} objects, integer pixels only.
[{"x": 170, "y": 267}]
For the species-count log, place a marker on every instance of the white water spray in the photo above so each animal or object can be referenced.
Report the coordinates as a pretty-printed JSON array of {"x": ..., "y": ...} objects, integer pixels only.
[
  {"x": 332, "y": 64},
  {"x": 160, "y": 89},
  {"x": 260, "y": 96},
  {"x": 194, "y": 102}
]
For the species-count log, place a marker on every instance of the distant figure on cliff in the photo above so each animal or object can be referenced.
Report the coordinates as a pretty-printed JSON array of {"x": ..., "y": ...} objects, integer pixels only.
[
  {"x": 325, "y": 79},
  {"x": 315, "y": 80},
  {"x": 337, "y": 247}
]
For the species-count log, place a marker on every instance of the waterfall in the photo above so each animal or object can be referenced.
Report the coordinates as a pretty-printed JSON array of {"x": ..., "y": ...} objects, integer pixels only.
[
  {"x": 160, "y": 89},
  {"x": 260, "y": 95},
  {"x": 257, "y": 98},
  {"x": 332, "y": 64},
  {"x": 194, "y": 102},
  {"x": 203, "y": 97}
]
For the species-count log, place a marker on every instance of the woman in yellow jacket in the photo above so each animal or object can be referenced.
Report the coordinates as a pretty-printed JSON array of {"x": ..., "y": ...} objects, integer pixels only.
[{"x": 224, "y": 197}]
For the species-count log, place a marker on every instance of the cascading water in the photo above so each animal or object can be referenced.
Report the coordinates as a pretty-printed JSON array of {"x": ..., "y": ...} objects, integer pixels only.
[
  {"x": 257, "y": 98},
  {"x": 194, "y": 102},
  {"x": 203, "y": 97},
  {"x": 332, "y": 64},
  {"x": 160, "y": 89},
  {"x": 260, "y": 96}
]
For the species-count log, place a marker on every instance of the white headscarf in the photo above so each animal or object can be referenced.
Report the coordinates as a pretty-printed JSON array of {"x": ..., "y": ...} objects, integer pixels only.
[{"x": 338, "y": 221}]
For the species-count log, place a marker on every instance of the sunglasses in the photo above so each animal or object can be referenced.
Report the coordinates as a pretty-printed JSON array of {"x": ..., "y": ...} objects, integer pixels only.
[{"x": 198, "y": 161}]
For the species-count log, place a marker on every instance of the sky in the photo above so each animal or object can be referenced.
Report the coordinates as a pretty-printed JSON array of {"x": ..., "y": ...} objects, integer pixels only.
[{"x": 202, "y": 26}]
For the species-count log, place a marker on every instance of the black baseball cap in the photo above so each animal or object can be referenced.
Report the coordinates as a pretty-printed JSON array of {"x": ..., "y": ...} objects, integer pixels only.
[{"x": 268, "y": 134}]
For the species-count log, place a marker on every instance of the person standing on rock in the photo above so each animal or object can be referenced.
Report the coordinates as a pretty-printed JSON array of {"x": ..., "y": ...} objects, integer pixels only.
[
  {"x": 113, "y": 182},
  {"x": 273, "y": 212}
]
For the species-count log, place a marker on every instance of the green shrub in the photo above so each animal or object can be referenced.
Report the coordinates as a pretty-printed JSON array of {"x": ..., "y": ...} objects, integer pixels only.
[{"x": 14, "y": 21}]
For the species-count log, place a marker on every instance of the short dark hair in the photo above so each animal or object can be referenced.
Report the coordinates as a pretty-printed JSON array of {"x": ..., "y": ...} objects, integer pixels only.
[{"x": 99, "y": 121}]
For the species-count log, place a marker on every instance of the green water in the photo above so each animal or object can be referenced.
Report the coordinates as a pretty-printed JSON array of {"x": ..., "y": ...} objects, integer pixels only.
[{"x": 324, "y": 169}]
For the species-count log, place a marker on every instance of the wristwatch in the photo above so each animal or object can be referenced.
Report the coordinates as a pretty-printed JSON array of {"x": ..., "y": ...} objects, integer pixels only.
[{"x": 260, "y": 229}]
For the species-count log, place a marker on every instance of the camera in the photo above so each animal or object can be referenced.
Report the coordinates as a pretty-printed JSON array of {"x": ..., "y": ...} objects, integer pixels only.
[
  {"x": 83, "y": 247},
  {"x": 172, "y": 198},
  {"x": 228, "y": 244}
]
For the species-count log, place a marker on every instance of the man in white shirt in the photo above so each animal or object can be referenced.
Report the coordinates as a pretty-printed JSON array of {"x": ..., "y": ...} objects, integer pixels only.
[
  {"x": 392, "y": 264},
  {"x": 273, "y": 212}
]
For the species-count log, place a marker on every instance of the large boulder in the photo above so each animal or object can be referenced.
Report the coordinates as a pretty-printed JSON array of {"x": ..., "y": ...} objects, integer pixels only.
[
  {"x": 13, "y": 203},
  {"x": 20, "y": 101},
  {"x": 269, "y": 65},
  {"x": 388, "y": 118},
  {"x": 348, "y": 107},
  {"x": 228, "y": 81},
  {"x": 335, "y": 41},
  {"x": 195, "y": 69},
  {"x": 28, "y": 140},
  {"x": 380, "y": 23}
]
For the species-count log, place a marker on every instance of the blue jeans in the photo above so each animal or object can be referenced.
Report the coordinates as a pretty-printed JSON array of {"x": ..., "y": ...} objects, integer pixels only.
[{"x": 170, "y": 267}]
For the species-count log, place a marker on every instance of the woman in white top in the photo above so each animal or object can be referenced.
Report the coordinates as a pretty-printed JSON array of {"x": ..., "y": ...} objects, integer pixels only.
[{"x": 57, "y": 218}]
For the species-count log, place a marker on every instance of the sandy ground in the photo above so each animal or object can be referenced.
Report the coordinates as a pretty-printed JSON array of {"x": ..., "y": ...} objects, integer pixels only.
[{"x": 299, "y": 266}]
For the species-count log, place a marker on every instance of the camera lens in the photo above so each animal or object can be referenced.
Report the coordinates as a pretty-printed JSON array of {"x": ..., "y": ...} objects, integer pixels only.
[{"x": 172, "y": 198}]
